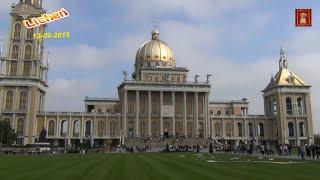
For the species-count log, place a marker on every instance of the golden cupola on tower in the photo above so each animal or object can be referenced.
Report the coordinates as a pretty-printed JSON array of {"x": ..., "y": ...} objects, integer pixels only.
[{"x": 154, "y": 54}]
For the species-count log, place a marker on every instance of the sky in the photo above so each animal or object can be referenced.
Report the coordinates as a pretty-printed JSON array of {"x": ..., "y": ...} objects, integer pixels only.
[{"x": 236, "y": 41}]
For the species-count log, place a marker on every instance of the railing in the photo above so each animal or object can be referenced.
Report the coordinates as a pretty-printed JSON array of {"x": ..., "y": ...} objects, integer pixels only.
[
  {"x": 76, "y": 113},
  {"x": 238, "y": 116},
  {"x": 166, "y": 82}
]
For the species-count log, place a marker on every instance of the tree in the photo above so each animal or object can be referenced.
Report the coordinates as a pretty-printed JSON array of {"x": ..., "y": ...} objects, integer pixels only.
[{"x": 7, "y": 134}]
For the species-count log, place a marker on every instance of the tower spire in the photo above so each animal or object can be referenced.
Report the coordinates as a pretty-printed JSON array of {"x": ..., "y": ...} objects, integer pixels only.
[{"x": 283, "y": 60}]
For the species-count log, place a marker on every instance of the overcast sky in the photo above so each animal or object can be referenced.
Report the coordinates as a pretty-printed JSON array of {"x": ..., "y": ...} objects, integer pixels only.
[{"x": 236, "y": 41}]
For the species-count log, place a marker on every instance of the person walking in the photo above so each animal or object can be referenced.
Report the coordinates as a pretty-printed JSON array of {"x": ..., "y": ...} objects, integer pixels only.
[
  {"x": 302, "y": 151},
  {"x": 268, "y": 149},
  {"x": 318, "y": 151},
  {"x": 313, "y": 151},
  {"x": 308, "y": 151}
]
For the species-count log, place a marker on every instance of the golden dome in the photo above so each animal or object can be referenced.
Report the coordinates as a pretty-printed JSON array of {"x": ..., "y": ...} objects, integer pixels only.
[{"x": 154, "y": 53}]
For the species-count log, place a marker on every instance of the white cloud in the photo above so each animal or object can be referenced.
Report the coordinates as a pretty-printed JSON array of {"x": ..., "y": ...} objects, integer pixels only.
[
  {"x": 195, "y": 10},
  {"x": 68, "y": 94}
]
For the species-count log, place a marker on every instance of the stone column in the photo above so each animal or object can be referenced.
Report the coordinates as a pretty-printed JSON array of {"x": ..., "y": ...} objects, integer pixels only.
[
  {"x": 137, "y": 112},
  {"x": 223, "y": 128},
  {"x": 297, "y": 130},
  {"x": 196, "y": 118},
  {"x": 173, "y": 117},
  {"x": 58, "y": 127},
  {"x": 2, "y": 67},
  {"x": 125, "y": 96},
  {"x": 161, "y": 118},
  {"x": 149, "y": 113},
  {"x": 184, "y": 124},
  {"x": 245, "y": 134},
  {"x": 205, "y": 111},
  {"x": 82, "y": 130},
  {"x": 70, "y": 132}
]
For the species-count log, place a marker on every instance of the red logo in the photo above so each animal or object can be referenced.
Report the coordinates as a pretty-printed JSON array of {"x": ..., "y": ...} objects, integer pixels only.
[{"x": 303, "y": 18}]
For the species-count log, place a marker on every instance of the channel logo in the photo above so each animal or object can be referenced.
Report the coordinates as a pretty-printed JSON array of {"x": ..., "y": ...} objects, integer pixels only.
[{"x": 303, "y": 18}]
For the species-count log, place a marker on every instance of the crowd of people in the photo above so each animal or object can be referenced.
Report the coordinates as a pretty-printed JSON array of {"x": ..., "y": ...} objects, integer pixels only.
[{"x": 309, "y": 151}]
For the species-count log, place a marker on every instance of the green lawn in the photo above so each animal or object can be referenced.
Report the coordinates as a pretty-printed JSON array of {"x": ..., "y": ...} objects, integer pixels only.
[{"x": 151, "y": 166}]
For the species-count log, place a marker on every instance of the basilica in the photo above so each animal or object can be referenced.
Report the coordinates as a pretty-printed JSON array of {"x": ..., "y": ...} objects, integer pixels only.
[{"x": 157, "y": 102}]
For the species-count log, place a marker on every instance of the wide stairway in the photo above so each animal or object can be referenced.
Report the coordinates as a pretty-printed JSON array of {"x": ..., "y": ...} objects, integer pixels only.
[{"x": 161, "y": 143}]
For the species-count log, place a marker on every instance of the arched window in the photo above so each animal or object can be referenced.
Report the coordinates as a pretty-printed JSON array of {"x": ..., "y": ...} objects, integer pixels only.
[
  {"x": 142, "y": 129},
  {"x": 101, "y": 128},
  {"x": 113, "y": 128},
  {"x": 300, "y": 106},
  {"x": 108, "y": 110},
  {"x": 30, "y": 33},
  {"x": 289, "y": 105},
  {"x": 88, "y": 129},
  {"x": 228, "y": 129},
  {"x": 269, "y": 107},
  {"x": 23, "y": 100},
  {"x": 166, "y": 128},
  {"x": 7, "y": 120},
  {"x": 291, "y": 129},
  {"x": 20, "y": 127},
  {"x": 15, "y": 52},
  {"x": 250, "y": 130},
  {"x": 131, "y": 129},
  {"x": 274, "y": 106},
  {"x": 178, "y": 128},
  {"x": 99, "y": 110},
  {"x": 189, "y": 129},
  {"x": 13, "y": 68},
  {"x": 201, "y": 130},
  {"x": 26, "y": 68},
  {"x": 217, "y": 129},
  {"x": 219, "y": 113},
  {"x": 227, "y": 113},
  {"x": 51, "y": 128},
  {"x": 211, "y": 112},
  {"x": 64, "y": 128},
  {"x": 261, "y": 130},
  {"x": 154, "y": 128},
  {"x": 9, "y": 100},
  {"x": 239, "y": 129},
  {"x": 17, "y": 31},
  {"x": 28, "y": 52},
  {"x": 301, "y": 129},
  {"x": 76, "y": 128}
]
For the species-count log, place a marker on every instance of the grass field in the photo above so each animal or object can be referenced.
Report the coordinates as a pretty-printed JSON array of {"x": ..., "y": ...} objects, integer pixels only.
[{"x": 153, "y": 166}]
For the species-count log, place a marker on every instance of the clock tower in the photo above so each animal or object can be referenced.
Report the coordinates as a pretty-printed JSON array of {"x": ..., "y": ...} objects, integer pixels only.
[{"x": 23, "y": 73}]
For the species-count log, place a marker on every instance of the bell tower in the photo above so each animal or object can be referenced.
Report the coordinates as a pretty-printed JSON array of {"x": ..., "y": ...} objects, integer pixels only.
[
  {"x": 287, "y": 101},
  {"x": 23, "y": 72}
]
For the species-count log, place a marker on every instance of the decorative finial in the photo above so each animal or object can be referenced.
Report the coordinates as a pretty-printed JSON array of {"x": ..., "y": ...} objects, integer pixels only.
[
  {"x": 155, "y": 31},
  {"x": 282, "y": 53},
  {"x": 125, "y": 74},
  {"x": 196, "y": 78},
  {"x": 283, "y": 60},
  {"x": 208, "y": 77}
]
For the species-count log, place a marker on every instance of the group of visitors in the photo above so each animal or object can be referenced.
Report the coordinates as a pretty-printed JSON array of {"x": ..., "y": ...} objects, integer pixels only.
[
  {"x": 183, "y": 148},
  {"x": 284, "y": 149},
  {"x": 309, "y": 151}
]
